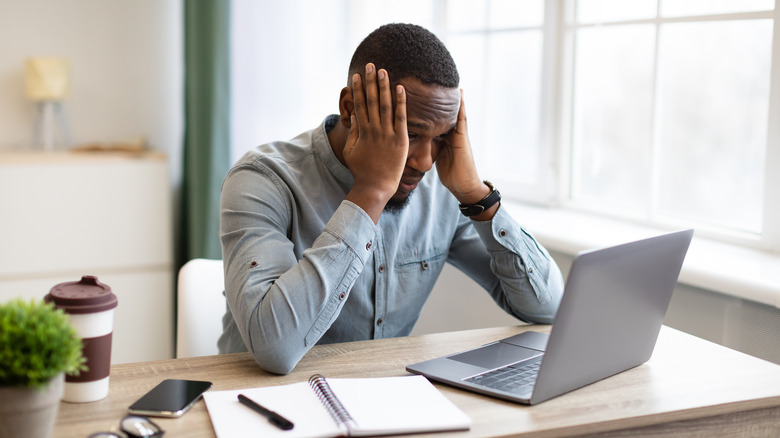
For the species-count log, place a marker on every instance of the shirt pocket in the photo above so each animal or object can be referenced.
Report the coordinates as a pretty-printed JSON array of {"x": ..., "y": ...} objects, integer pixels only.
[{"x": 419, "y": 270}]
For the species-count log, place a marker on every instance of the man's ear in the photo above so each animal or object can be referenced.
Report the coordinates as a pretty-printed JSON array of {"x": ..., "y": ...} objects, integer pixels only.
[{"x": 346, "y": 107}]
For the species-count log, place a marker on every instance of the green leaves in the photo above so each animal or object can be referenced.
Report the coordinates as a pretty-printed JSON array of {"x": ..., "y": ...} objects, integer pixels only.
[{"x": 37, "y": 342}]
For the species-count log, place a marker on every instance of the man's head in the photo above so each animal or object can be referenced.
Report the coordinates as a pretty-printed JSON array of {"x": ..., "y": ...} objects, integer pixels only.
[
  {"x": 406, "y": 51},
  {"x": 415, "y": 58}
]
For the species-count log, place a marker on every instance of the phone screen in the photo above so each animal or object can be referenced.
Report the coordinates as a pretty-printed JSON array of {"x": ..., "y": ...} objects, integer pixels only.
[{"x": 171, "y": 398}]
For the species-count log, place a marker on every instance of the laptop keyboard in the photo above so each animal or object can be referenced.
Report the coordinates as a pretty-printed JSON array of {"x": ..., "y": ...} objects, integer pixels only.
[{"x": 516, "y": 378}]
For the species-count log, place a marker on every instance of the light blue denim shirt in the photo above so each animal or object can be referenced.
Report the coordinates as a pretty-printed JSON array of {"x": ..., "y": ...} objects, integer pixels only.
[{"x": 303, "y": 266}]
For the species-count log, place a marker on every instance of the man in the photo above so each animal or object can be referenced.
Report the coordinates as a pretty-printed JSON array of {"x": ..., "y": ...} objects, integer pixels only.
[{"x": 340, "y": 233}]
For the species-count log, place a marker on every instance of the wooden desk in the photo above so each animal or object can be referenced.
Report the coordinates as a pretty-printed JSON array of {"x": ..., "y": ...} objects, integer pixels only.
[{"x": 690, "y": 387}]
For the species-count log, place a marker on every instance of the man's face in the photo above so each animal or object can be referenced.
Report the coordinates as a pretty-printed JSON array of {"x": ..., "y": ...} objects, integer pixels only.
[{"x": 431, "y": 113}]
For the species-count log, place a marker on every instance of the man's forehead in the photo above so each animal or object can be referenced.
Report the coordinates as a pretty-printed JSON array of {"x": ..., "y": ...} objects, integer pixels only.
[{"x": 430, "y": 103}]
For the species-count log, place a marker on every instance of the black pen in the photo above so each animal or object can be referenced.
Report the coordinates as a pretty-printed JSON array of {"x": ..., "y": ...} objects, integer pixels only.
[{"x": 273, "y": 418}]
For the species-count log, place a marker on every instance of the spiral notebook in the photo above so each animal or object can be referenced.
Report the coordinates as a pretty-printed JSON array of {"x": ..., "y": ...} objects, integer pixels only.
[{"x": 338, "y": 407}]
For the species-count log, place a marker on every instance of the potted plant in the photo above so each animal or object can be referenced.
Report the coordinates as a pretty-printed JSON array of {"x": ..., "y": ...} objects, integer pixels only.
[{"x": 37, "y": 347}]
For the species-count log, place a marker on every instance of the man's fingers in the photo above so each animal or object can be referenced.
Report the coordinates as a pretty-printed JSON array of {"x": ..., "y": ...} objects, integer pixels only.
[
  {"x": 462, "y": 125},
  {"x": 400, "y": 111},
  {"x": 385, "y": 101},
  {"x": 352, "y": 135},
  {"x": 372, "y": 94},
  {"x": 373, "y": 101},
  {"x": 359, "y": 100}
]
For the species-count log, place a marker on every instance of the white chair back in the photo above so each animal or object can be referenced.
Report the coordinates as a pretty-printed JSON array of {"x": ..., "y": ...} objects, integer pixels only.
[{"x": 200, "y": 306}]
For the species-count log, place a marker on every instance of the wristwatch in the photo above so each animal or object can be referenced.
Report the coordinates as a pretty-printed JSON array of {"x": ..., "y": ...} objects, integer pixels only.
[{"x": 488, "y": 201}]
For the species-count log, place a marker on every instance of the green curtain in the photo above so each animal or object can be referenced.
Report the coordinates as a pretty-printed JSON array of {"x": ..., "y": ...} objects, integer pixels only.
[{"x": 206, "y": 156}]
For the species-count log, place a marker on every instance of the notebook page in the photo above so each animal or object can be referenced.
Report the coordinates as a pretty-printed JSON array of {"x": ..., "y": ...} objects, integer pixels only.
[
  {"x": 404, "y": 404},
  {"x": 296, "y": 402}
]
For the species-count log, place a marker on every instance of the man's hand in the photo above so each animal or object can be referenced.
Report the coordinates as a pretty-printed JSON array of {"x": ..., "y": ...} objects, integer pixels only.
[
  {"x": 378, "y": 144},
  {"x": 456, "y": 167}
]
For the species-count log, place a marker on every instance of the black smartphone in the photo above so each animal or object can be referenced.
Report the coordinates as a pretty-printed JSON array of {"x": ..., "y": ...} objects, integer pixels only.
[{"x": 171, "y": 398}]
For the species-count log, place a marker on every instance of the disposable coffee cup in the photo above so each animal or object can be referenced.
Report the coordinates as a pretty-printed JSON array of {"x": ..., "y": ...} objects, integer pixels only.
[{"x": 89, "y": 305}]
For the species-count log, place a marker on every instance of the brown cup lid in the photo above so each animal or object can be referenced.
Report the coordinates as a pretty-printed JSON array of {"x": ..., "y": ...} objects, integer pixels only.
[{"x": 85, "y": 296}]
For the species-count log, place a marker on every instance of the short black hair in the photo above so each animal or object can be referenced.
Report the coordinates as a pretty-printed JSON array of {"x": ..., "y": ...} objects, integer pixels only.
[{"x": 406, "y": 50}]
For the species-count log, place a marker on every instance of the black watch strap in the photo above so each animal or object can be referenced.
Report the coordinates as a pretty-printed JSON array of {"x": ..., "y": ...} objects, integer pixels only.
[{"x": 488, "y": 201}]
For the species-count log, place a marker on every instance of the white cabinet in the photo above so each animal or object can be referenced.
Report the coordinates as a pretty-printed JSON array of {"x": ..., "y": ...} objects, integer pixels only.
[{"x": 64, "y": 215}]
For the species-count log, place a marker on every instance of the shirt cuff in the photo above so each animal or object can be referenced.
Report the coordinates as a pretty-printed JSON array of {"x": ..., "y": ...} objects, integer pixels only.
[
  {"x": 355, "y": 228},
  {"x": 499, "y": 233}
]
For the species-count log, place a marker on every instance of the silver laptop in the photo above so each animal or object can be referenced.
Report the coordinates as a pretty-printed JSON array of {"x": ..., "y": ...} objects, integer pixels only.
[{"x": 613, "y": 305}]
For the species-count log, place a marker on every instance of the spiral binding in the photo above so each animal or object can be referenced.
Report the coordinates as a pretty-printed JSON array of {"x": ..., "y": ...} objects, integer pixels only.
[{"x": 331, "y": 402}]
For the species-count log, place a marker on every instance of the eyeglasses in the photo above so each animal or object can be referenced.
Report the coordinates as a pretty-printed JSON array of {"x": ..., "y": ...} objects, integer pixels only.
[{"x": 133, "y": 426}]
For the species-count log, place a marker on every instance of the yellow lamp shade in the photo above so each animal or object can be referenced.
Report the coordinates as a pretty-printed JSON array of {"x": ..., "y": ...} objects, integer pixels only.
[{"x": 47, "y": 78}]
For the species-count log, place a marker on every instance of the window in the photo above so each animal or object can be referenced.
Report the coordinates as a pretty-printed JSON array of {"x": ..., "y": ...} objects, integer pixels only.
[
  {"x": 651, "y": 111},
  {"x": 669, "y": 115},
  {"x": 499, "y": 47}
]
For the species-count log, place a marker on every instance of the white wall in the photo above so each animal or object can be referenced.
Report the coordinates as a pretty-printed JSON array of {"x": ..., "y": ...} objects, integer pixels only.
[{"x": 126, "y": 68}]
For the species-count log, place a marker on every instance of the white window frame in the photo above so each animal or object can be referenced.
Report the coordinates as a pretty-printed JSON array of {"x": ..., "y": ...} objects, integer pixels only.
[{"x": 771, "y": 235}]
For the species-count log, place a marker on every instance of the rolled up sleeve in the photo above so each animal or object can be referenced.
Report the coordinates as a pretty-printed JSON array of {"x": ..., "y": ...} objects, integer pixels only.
[
  {"x": 282, "y": 305},
  {"x": 516, "y": 270}
]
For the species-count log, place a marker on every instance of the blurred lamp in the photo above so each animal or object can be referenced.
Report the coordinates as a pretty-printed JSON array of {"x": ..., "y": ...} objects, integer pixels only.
[{"x": 47, "y": 81}]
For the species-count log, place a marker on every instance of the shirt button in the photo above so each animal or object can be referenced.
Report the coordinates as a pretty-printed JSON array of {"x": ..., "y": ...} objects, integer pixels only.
[
  {"x": 342, "y": 296},
  {"x": 379, "y": 321},
  {"x": 502, "y": 233},
  {"x": 368, "y": 246},
  {"x": 425, "y": 265},
  {"x": 530, "y": 270},
  {"x": 381, "y": 268}
]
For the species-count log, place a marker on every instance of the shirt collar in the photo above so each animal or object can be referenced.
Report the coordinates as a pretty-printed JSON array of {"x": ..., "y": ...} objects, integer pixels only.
[{"x": 324, "y": 150}]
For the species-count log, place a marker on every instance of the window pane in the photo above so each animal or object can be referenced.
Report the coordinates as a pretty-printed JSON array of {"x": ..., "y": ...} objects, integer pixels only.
[
  {"x": 596, "y": 11},
  {"x": 677, "y": 8},
  {"x": 513, "y": 105},
  {"x": 516, "y": 13},
  {"x": 714, "y": 97},
  {"x": 613, "y": 116},
  {"x": 465, "y": 15}
]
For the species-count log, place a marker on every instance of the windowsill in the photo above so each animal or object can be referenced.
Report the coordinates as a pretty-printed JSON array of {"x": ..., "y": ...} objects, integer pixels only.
[{"x": 725, "y": 268}]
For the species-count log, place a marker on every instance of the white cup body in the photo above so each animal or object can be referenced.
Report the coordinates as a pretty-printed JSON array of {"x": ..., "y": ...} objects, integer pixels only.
[{"x": 94, "y": 329}]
